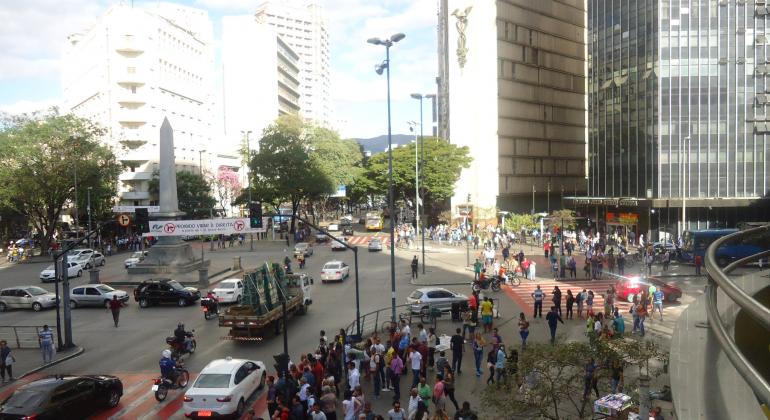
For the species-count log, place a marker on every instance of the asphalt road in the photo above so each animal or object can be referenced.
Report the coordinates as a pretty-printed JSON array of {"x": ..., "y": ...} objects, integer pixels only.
[{"x": 136, "y": 345}]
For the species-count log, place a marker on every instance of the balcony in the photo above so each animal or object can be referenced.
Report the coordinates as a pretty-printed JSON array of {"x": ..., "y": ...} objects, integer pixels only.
[
  {"x": 130, "y": 76},
  {"x": 128, "y": 98},
  {"x": 135, "y": 176},
  {"x": 132, "y": 138},
  {"x": 130, "y": 45},
  {"x": 135, "y": 195},
  {"x": 131, "y": 116},
  {"x": 135, "y": 156}
]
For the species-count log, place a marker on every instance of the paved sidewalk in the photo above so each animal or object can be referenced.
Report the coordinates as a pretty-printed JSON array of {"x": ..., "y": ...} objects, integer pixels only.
[{"x": 29, "y": 361}]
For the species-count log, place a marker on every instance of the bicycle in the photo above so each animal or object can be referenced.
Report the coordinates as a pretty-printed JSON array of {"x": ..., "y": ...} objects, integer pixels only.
[
  {"x": 429, "y": 316},
  {"x": 387, "y": 326}
]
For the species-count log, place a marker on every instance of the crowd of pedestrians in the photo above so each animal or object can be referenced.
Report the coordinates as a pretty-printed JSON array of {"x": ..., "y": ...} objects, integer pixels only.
[{"x": 341, "y": 378}]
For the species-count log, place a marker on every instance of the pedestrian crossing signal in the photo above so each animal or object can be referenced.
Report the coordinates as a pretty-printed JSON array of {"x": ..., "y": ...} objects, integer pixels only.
[
  {"x": 142, "y": 220},
  {"x": 255, "y": 214}
]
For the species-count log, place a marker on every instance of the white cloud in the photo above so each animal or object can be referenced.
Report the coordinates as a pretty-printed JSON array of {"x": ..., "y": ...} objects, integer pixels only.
[
  {"x": 33, "y": 32},
  {"x": 25, "y": 107},
  {"x": 228, "y": 6}
]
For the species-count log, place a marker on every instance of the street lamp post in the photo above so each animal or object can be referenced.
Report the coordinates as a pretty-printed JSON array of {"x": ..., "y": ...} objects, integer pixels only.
[
  {"x": 533, "y": 198},
  {"x": 248, "y": 177},
  {"x": 200, "y": 161},
  {"x": 685, "y": 168},
  {"x": 421, "y": 194},
  {"x": 89, "y": 215},
  {"x": 387, "y": 43}
]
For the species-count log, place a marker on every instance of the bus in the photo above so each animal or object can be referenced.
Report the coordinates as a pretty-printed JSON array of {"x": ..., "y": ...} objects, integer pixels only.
[
  {"x": 695, "y": 243},
  {"x": 374, "y": 220}
]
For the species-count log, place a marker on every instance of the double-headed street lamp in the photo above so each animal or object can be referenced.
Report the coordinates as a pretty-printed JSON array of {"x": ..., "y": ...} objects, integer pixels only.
[
  {"x": 385, "y": 65},
  {"x": 421, "y": 193},
  {"x": 248, "y": 177}
]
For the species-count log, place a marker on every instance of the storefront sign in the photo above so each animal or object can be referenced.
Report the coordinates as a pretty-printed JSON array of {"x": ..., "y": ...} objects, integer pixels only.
[
  {"x": 132, "y": 209},
  {"x": 203, "y": 227},
  {"x": 622, "y": 218}
]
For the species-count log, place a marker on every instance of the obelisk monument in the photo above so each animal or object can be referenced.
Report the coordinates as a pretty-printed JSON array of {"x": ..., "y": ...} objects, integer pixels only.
[{"x": 170, "y": 254}]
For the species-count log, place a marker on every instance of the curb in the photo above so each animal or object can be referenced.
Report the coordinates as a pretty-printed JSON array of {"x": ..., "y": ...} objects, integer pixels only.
[{"x": 78, "y": 352}]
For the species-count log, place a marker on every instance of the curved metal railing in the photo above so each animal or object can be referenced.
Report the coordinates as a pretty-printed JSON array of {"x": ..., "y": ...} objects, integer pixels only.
[{"x": 718, "y": 279}]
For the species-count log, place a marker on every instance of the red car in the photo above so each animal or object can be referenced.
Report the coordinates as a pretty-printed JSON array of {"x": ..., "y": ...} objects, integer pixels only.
[{"x": 630, "y": 286}]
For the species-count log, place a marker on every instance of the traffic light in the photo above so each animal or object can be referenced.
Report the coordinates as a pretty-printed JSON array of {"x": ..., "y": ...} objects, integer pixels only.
[
  {"x": 255, "y": 214},
  {"x": 142, "y": 220}
]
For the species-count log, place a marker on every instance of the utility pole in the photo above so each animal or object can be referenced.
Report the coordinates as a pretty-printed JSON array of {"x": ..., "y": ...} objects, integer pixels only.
[
  {"x": 685, "y": 168},
  {"x": 248, "y": 176},
  {"x": 548, "y": 198},
  {"x": 533, "y": 198},
  {"x": 66, "y": 298},
  {"x": 89, "y": 215}
]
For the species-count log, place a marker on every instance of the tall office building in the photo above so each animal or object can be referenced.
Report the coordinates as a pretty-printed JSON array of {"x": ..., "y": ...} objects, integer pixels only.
[
  {"x": 261, "y": 77},
  {"x": 514, "y": 75},
  {"x": 134, "y": 67},
  {"x": 678, "y": 92},
  {"x": 301, "y": 24}
]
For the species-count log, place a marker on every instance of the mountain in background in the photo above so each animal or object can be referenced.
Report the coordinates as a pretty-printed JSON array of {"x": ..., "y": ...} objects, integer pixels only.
[{"x": 379, "y": 144}]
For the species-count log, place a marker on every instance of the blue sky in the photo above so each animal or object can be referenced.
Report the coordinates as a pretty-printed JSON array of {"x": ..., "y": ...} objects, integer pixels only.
[{"x": 30, "y": 63}]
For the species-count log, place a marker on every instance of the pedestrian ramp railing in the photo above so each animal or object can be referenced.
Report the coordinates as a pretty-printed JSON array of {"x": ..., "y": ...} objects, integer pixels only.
[
  {"x": 718, "y": 278},
  {"x": 23, "y": 336}
]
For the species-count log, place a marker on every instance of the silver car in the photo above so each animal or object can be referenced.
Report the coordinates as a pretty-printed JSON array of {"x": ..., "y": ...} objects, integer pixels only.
[
  {"x": 375, "y": 244},
  {"x": 303, "y": 248},
  {"x": 95, "y": 295},
  {"x": 26, "y": 297},
  {"x": 90, "y": 260},
  {"x": 435, "y": 297}
]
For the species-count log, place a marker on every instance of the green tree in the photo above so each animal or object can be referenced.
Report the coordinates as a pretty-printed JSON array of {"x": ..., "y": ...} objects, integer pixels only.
[
  {"x": 515, "y": 221},
  {"x": 40, "y": 157},
  {"x": 566, "y": 216},
  {"x": 440, "y": 171},
  {"x": 340, "y": 160},
  {"x": 284, "y": 169},
  {"x": 552, "y": 377},
  {"x": 193, "y": 192}
]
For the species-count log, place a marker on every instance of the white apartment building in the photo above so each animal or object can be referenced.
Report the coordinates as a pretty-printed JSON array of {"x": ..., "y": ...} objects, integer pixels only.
[
  {"x": 134, "y": 67},
  {"x": 260, "y": 77},
  {"x": 302, "y": 26}
]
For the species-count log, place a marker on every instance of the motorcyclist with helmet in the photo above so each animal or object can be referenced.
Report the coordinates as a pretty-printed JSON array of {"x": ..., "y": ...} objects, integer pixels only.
[
  {"x": 168, "y": 366},
  {"x": 181, "y": 337},
  {"x": 212, "y": 302}
]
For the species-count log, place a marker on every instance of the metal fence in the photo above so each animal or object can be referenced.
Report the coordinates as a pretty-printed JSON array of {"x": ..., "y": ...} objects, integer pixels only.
[
  {"x": 718, "y": 279},
  {"x": 23, "y": 336},
  {"x": 375, "y": 320}
]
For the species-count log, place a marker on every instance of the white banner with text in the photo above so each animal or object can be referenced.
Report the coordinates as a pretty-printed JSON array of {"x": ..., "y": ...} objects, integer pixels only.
[{"x": 203, "y": 227}]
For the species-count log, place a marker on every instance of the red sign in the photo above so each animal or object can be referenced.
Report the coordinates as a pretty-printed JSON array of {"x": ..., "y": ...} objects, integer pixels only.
[{"x": 169, "y": 228}]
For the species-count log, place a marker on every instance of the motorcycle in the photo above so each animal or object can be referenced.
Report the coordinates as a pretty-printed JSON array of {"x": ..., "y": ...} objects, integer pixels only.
[
  {"x": 161, "y": 385},
  {"x": 179, "y": 350},
  {"x": 493, "y": 283},
  {"x": 210, "y": 308}
]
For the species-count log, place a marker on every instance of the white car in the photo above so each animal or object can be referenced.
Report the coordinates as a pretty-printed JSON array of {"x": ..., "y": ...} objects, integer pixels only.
[
  {"x": 49, "y": 274},
  {"x": 229, "y": 291},
  {"x": 347, "y": 218},
  {"x": 303, "y": 248},
  {"x": 334, "y": 271},
  {"x": 134, "y": 259},
  {"x": 77, "y": 253},
  {"x": 90, "y": 260},
  {"x": 223, "y": 387},
  {"x": 333, "y": 227},
  {"x": 375, "y": 244},
  {"x": 336, "y": 246}
]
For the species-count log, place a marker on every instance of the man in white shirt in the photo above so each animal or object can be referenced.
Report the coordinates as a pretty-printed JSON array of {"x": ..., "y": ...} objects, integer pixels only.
[
  {"x": 414, "y": 399},
  {"x": 354, "y": 378},
  {"x": 415, "y": 358},
  {"x": 405, "y": 330},
  {"x": 396, "y": 413},
  {"x": 423, "y": 336}
]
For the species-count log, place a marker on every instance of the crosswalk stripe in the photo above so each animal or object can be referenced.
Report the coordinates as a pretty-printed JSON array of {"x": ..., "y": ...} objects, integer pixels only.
[
  {"x": 138, "y": 401},
  {"x": 522, "y": 294}
]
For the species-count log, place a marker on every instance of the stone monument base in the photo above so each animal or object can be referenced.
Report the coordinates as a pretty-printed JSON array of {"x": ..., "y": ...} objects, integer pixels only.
[{"x": 174, "y": 258}]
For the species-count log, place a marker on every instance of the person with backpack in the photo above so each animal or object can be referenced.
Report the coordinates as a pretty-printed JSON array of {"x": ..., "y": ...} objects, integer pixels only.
[
  {"x": 581, "y": 296},
  {"x": 375, "y": 363},
  {"x": 572, "y": 265}
]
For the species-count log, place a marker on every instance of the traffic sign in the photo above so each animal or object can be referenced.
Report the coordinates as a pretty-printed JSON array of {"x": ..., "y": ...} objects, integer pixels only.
[{"x": 124, "y": 220}]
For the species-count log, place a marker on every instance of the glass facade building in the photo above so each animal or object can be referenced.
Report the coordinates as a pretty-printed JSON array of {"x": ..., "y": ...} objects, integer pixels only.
[
  {"x": 679, "y": 98},
  {"x": 678, "y": 107}
]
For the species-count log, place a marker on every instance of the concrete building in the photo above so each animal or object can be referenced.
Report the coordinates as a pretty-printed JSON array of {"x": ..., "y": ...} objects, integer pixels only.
[
  {"x": 515, "y": 82},
  {"x": 134, "y": 67},
  {"x": 678, "y": 128},
  {"x": 301, "y": 25},
  {"x": 261, "y": 78}
]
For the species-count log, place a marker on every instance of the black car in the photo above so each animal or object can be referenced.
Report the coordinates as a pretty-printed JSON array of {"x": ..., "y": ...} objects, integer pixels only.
[
  {"x": 347, "y": 230},
  {"x": 160, "y": 291},
  {"x": 62, "y": 397}
]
